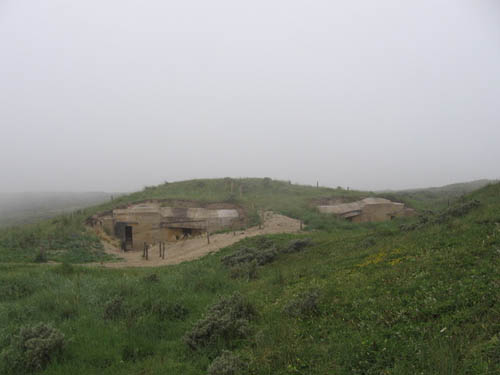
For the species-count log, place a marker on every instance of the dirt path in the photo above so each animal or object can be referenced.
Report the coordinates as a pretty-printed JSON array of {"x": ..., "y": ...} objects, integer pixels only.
[{"x": 194, "y": 248}]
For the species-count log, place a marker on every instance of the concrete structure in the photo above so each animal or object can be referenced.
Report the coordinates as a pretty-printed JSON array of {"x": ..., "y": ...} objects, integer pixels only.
[
  {"x": 151, "y": 222},
  {"x": 368, "y": 209}
]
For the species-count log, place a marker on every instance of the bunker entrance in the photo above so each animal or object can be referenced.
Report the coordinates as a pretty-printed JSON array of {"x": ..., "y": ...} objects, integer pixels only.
[
  {"x": 129, "y": 241},
  {"x": 180, "y": 233}
]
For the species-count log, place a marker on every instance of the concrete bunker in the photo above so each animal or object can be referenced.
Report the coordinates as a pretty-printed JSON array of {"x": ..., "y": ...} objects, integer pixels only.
[
  {"x": 368, "y": 210},
  {"x": 154, "y": 221}
]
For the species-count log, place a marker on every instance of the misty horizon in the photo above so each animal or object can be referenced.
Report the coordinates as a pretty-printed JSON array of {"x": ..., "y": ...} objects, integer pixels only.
[
  {"x": 115, "y": 96},
  {"x": 139, "y": 188}
]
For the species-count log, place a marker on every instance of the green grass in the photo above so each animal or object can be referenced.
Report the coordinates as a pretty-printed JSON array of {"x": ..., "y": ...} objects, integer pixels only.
[
  {"x": 438, "y": 197},
  {"x": 425, "y": 301},
  {"x": 65, "y": 238}
]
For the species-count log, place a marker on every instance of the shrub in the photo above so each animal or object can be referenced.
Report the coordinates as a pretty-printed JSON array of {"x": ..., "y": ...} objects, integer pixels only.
[
  {"x": 114, "y": 308},
  {"x": 64, "y": 269},
  {"x": 226, "y": 320},
  {"x": 248, "y": 254},
  {"x": 247, "y": 270},
  {"x": 14, "y": 289},
  {"x": 40, "y": 257},
  {"x": 297, "y": 245},
  {"x": 457, "y": 210},
  {"x": 305, "y": 304},
  {"x": 428, "y": 217},
  {"x": 32, "y": 348},
  {"x": 263, "y": 243},
  {"x": 227, "y": 364}
]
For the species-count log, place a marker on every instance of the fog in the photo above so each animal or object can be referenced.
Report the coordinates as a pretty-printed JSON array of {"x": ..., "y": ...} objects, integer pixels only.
[{"x": 115, "y": 95}]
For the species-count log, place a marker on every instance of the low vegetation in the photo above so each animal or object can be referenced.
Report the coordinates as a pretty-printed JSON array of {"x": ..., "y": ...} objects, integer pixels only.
[
  {"x": 349, "y": 299},
  {"x": 67, "y": 239},
  {"x": 32, "y": 348}
]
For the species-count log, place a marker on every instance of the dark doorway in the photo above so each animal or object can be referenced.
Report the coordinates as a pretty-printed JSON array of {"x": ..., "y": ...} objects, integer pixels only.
[
  {"x": 186, "y": 232},
  {"x": 129, "y": 242}
]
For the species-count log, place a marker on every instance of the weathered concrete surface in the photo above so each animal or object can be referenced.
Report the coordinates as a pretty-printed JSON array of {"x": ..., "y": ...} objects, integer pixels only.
[
  {"x": 151, "y": 222},
  {"x": 368, "y": 210},
  {"x": 193, "y": 248}
]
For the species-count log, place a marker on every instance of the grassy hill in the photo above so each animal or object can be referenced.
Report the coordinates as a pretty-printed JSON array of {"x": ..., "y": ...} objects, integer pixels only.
[
  {"x": 65, "y": 238},
  {"x": 437, "y": 197},
  {"x": 417, "y": 297}
]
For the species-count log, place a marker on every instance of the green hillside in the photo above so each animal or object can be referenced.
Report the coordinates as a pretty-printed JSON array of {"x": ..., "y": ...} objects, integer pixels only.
[
  {"x": 65, "y": 238},
  {"x": 437, "y": 197},
  {"x": 402, "y": 297}
]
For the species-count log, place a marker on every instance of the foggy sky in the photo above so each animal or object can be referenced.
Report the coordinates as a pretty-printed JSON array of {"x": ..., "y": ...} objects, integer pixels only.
[{"x": 114, "y": 95}]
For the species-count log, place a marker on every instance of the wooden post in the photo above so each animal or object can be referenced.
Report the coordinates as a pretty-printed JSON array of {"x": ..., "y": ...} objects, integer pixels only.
[
  {"x": 208, "y": 236},
  {"x": 159, "y": 249},
  {"x": 147, "y": 251}
]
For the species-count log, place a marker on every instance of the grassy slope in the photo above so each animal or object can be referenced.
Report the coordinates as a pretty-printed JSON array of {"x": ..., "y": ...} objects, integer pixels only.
[
  {"x": 65, "y": 238},
  {"x": 391, "y": 302},
  {"x": 437, "y": 197}
]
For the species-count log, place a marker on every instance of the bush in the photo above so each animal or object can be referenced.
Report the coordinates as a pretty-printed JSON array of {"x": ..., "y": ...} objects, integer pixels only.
[
  {"x": 226, "y": 320},
  {"x": 40, "y": 257},
  {"x": 14, "y": 289},
  {"x": 248, "y": 255},
  {"x": 32, "y": 348},
  {"x": 457, "y": 210},
  {"x": 247, "y": 270},
  {"x": 429, "y": 217},
  {"x": 306, "y": 304},
  {"x": 227, "y": 364},
  {"x": 64, "y": 269},
  {"x": 295, "y": 246},
  {"x": 114, "y": 308}
]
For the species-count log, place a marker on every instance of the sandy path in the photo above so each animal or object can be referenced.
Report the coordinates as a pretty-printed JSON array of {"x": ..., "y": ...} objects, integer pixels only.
[{"x": 194, "y": 248}]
